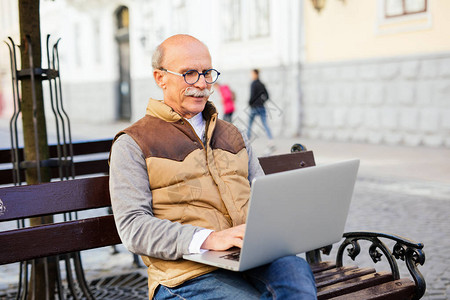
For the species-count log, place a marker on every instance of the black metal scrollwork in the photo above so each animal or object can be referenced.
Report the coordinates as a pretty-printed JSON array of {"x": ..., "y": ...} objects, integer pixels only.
[
  {"x": 354, "y": 251},
  {"x": 399, "y": 251},
  {"x": 374, "y": 253},
  {"x": 404, "y": 249},
  {"x": 327, "y": 249},
  {"x": 415, "y": 257}
]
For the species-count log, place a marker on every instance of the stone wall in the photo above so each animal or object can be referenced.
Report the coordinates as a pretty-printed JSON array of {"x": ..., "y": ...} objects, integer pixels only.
[{"x": 399, "y": 100}]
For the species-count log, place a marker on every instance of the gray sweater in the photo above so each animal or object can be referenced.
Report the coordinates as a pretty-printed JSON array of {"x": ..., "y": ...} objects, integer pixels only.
[{"x": 140, "y": 231}]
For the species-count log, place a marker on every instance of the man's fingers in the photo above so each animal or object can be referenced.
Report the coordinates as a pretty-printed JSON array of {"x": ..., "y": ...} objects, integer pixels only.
[
  {"x": 225, "y": 239},
  {"x": 238, "y": 242},
  {"x": 240, "y": 230}
]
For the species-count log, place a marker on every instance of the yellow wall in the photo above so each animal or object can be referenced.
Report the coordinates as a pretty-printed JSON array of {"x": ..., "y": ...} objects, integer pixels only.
[{"x": 350, "y": 29}]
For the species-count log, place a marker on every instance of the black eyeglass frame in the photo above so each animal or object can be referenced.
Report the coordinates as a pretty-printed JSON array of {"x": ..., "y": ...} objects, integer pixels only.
[{"x": 198, "y": 73}]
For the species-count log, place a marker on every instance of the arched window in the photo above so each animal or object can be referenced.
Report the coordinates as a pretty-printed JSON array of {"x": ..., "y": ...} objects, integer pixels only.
[{"x": 123, "y": 19}]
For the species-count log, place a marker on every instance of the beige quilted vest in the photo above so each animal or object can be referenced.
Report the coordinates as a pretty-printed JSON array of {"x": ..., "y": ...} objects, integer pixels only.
[{"x": 191, "y": 183}]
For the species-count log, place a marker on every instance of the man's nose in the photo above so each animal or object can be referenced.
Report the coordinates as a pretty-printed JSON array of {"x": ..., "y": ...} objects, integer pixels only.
[{"x": 201, "y": 82}]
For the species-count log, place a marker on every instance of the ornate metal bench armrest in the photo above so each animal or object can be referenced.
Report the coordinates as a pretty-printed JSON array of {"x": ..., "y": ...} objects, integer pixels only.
[{"x": 404, "y": 249}]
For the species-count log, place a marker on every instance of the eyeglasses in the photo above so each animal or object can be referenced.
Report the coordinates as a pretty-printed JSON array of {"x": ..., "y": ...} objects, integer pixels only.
[{"x": 192, "y": 76}]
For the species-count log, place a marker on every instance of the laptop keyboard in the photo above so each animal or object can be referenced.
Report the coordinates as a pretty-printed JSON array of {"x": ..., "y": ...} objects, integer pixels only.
[{"x": 232, "y": 256}]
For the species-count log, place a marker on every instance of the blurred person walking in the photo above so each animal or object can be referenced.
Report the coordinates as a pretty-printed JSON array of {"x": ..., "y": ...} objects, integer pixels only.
[
  {"x": 258, "y": 96},
  {"x": 227, "y": 96}
]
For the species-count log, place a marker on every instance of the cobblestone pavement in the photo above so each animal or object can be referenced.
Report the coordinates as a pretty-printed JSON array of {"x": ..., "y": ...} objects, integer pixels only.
[
  {"x": 412, "y": 210},
  {"x": 400, "y": 190}
]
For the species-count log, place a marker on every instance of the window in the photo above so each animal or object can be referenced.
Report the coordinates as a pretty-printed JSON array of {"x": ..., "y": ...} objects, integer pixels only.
[
  {"x": 97, "y": 42},
  {"x": 395, "y": 16},
  {"x": 232, "y": 20},
  {"x": 244, "y": 20},
  {"x": 259, "y": 18},
  {"x": 180, "y": 21},
  {"x": 396, "y": 8},
  {"x": 77, "y": 41},
  {"x": 122, "y": 18}
]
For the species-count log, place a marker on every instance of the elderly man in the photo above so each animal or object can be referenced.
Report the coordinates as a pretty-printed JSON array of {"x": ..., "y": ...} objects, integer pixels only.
[{"x": 180, "y": 182}]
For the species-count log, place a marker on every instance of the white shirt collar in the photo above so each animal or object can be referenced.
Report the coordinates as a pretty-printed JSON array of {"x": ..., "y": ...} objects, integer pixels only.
[{"x": 198, "y": 123}]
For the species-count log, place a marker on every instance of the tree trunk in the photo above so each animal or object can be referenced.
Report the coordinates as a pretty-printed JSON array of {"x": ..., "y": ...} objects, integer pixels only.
[{"x": 34, "y": 122}]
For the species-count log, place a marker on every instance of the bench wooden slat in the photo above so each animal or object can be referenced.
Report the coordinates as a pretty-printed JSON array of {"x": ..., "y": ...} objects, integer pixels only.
[
  {"x": 89, "y": 167},
  {"x": 287, "y": 162},
  {"x": 322, "y": 266},
  {"x": 5, "y": 155},
  {"x": 343, "y": 276},
  {"x": 6, "y": 176},
  {"x": 352, "y": 285},
  {"x": 99, "y": 166},
  {"x": 331, "y": 272},
  {"x": 58, "y": 238},
  {"x": 55, "y": 197},
  {"x": 82, "y": 167},
  {"x": 86, "y": 147},
  {"x": 79, "y": 148},
  {"x": 393, "y": 290}
]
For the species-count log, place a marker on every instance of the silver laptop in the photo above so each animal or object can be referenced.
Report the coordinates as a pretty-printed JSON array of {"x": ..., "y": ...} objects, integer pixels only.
[{"x": 290, "y": 213}]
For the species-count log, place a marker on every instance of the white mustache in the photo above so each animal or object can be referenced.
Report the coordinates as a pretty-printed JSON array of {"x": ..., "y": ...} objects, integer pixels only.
[{"x": 194, "y": 92}]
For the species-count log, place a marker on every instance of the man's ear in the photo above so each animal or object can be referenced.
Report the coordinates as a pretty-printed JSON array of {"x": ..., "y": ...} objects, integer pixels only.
[{"x": 159, "y": 78}]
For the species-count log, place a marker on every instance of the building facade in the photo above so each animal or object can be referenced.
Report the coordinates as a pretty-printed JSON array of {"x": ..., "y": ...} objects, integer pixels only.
[
  {"x": 374, "y": 71},
  {"x": 378, "y": 72}
]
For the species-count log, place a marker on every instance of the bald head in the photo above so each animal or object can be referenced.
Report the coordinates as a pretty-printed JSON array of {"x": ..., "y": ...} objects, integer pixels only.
[
  {"x": 174, "y": 44},
  {"x": 173, "y": 59}
]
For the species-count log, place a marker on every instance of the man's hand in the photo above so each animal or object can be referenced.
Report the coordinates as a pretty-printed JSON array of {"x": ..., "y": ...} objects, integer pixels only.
[{"x": 225, "y": 239}]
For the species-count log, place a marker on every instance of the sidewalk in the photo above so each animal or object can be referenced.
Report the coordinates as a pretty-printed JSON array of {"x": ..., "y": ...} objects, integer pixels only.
[
  {"x": 401, "y": 162},
  {"x": 411, "y": 163}
]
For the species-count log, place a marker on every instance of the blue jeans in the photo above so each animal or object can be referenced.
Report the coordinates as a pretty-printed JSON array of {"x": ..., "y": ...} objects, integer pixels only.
[
  {"x": 258, "y": 111},
  {"x": 289, "y": 277}
]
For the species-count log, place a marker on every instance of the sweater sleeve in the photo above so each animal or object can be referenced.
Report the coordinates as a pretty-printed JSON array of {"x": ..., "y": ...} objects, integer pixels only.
[
  {"x": 254, "y": 168},
  {"x": 140, "y": 231}
]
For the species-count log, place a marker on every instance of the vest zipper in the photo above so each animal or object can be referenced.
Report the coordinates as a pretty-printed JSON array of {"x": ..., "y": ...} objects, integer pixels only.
[{"x": 198, "y": 138}]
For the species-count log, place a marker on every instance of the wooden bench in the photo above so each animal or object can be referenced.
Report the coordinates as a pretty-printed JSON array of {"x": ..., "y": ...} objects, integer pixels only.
[
  {"x": 89, "y": 157},
  {"x": 61, "y": 240},
  {"x": 336, "y": 281}
]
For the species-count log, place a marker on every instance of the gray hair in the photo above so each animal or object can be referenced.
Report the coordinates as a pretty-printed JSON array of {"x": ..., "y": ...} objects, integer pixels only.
[{"x": 157, "y": 57}]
